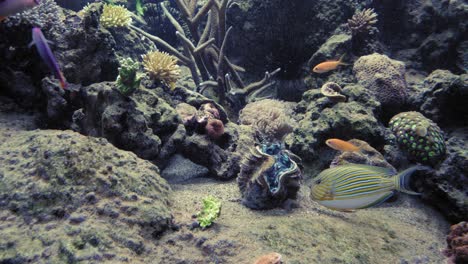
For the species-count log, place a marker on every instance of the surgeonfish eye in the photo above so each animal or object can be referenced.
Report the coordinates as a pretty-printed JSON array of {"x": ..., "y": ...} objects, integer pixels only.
[{"x": 318, "y": 181}]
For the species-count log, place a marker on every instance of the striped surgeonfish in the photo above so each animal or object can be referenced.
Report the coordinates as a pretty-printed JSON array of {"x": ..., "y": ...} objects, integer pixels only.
[{"x": 357, "y": 186}]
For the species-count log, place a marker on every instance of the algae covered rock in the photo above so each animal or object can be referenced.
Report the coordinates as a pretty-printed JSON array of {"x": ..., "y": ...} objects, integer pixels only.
[
  {"x": 443, "y": 96},
  {"x": 419, "y": 136},
  {"x": 76, "y": 199},
  {"x": 384, "y": 76}
]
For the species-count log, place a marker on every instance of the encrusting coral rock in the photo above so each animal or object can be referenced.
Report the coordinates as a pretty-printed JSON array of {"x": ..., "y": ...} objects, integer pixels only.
[
  {"x": 271, "y": 119},
  {"x": 115, "y": 16},
  {"x": 162, "y": 66},
  {"x": 457, "y": 244},
  {"x": 333, "y": 91},
  {"x": 385, "y": 77},
  {"x": 419, "y": 136}
]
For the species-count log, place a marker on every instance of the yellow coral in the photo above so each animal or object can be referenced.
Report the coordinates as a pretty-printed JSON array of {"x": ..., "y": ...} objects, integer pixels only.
[
  {"x": 115, "y": 16},
  {"x": 162, "y": 66}
]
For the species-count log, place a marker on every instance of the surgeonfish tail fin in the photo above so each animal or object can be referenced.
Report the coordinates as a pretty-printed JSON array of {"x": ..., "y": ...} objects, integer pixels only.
[{"x": 402, "y": 180}]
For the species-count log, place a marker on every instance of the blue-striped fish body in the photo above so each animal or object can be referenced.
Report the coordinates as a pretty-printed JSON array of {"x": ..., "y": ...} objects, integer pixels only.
[{"x": 357, "y": 186}]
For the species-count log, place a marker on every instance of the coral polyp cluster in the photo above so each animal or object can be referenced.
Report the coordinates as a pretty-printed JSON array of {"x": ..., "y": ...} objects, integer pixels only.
[
  {"x": 419, "y": 136},
  {"x": 162, "y": 67},
  {"x": 115, "y": 16},
  {"x": 362, "y": 21}
]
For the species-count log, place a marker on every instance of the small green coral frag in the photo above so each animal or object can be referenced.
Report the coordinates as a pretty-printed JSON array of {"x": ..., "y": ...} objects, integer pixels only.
[
  {"x": 419, "y": 136},
  {"x": 129, "y": 79},
  {"x": 210, "y": 211},
  {"x": 115, "y": 16}
]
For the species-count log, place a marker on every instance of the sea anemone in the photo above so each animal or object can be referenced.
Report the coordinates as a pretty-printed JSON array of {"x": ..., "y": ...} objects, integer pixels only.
[
  {"x": 162, "y": 67},
  {"x": 115, "y": 16},
  {"x": 214, "y": 128},
  {"x": 362, "y": 21}
]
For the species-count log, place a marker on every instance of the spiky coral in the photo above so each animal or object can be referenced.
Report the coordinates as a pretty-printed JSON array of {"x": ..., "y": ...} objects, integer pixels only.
[
  {"x": 162, "y": 66},
  {"x": 419, "y": 136},
  {"x": 362, "y": 21},
  {"x": 115, "y": 16}
]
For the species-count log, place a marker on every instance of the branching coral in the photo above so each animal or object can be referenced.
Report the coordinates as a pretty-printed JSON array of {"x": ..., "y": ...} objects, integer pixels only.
[
  {"x": 362, "y": 21},
  {"x": 128, "y": 79},
  {"x": 162, "y": 66},
  {"x": 271, "y": 119},
  {"x": 115, "y": 16},
  {"x": 205, "y": 46}
]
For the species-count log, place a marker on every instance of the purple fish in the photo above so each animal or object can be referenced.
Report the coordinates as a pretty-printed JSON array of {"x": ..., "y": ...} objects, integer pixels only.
[
  {"x": 46, "y": 54},
  {"x": 11, "y": 7}
]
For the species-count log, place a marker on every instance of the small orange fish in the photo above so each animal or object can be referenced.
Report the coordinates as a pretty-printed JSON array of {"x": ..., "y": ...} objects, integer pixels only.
[
  {"x": 341, "y": 145},
  {"x": 328, "y": 65},
  {"x": 270, "y": 258}
]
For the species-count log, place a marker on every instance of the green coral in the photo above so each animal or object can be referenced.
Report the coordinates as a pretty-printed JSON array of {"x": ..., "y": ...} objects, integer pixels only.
[
  {"x": 210, "y": 211},
  {"x": 419, "y": 136},
  {"x": 129, "y": 79}
]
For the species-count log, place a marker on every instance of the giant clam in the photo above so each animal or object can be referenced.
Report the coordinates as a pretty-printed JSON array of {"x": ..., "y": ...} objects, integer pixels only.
[{"x": 269, "y": 176}]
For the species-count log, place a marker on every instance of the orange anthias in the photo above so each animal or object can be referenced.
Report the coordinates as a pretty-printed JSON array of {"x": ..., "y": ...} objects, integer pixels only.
[
  {"x": 328, "y": 65},
  {"x": 341, "y": 145},
  {"x": 270, "y": 258}
]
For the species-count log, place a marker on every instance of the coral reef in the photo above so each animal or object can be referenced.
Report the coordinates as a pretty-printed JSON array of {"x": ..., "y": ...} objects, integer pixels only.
[
  {"x": 445, "y": 186},
  {"x": 269, "y": 176},
  {"x": 115, "y": 16},
  {"x": 362, "y": 22},
  {"x": 419, "y": 136},
  {"x": 128, "y": 79},
  {"x": 84, "y": 199},
  {"x": 442, "y": 97},
  {"x": 366, "y": 155},
  {"x": 271, "y": 119},
  {"x": 333, "y": 92},
  {"x": 457, "y": 244},
  {"x": 385, "y": 77},
  {"x": 162, "y": 67},
  {"x": 321, "y": 119}
]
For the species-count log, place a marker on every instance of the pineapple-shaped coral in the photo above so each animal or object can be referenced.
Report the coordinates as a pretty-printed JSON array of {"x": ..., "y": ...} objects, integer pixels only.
[{"x": 419, "y": 136}]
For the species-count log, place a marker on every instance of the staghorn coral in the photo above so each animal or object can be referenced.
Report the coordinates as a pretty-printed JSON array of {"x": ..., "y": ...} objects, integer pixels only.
[
  {"x": 162, "y": 66},
  {"x": 457, "y": 244},
  {"x": 362, "y": 22},
  {"x": 115, "y": 16},
  {"x": 333, "y": 92},
  {"x": 419, "y": 136},
  {"x": 385, "y": 77},
  {"x": 128, "y": 79},
  {"x": 269, "y": 176},
  {"x": 271, "y": 119}
]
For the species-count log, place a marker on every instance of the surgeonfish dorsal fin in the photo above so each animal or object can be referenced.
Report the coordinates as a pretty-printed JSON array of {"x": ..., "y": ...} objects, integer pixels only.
[
  {"x": 382, "y": 170},
  {"x": 402, "y": 180}
]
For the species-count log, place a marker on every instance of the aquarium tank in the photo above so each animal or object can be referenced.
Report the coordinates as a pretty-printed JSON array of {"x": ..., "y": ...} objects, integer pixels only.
[{"x": 326, "y": 131}]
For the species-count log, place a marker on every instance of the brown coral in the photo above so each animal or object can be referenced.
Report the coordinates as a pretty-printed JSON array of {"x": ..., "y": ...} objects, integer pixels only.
[
  {"x": 271, "y": 119},
  {"x": 457, "y": 244},
  {"x": 214, "y": 128},
  {"x": 162, "y": 66},
  {"x": 333, "y": 92},
  {"x": 384, "y": 76},
  {"x": 362, "y": 21}
]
